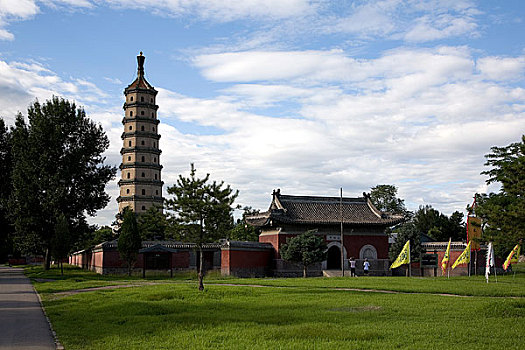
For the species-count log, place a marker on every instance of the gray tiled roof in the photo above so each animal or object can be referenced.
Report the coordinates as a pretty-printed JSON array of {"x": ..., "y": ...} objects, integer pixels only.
[{"x": 322, "y": 210}]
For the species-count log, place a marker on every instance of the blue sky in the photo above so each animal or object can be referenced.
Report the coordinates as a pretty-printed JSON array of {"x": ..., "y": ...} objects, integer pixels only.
[{"x": 306, "y": 96}]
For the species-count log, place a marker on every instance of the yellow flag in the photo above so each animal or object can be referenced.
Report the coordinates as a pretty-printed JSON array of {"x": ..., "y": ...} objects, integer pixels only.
[
  {"x": 404, "y": 256},
  {"x": 516, "y": 256},
  {"x": 446, "y": 258},
  {"x": 509, "y": 258},
  {"x": 464, "y": 258}
]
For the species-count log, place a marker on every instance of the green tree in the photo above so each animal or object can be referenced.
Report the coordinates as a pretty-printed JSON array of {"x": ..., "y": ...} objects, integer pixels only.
[
  {"x": 152, "y": 224},
  {"x": 242, "y": 231},
  {"x": 129, "y": 241},
  {"x": 58, "y": 168},
  {"x": 305, "y": 249},
  {"x": 103, "y": 234},
  {"x": 503, "y": 212},
  {"x": 6, "y": 227},
  {"x": 60, "y": 242},
  {"x": 202, "y": 211},
  {"x": 439, "y": 226},
  {"x": 406, "y": 231},
  {"x": 384, "y": 197}
]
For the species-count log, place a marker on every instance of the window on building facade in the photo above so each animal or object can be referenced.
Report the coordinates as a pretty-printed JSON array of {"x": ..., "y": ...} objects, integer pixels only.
[
  {"x": 157, "y": 192},
  {"x": 368, "y": 252},
  {"x": 130, "y": 127},
  {"x": 155, "y": 176},
  {"x": 143, "y": 174},
  {"x": 141, "y": 98},
  {"x": 142, "y": 128},
  {"x": 129, "y": 175},
  {"x": 143, "y": 192},
  {"x": 152, "y": 114},
  {"x": 141, "y": 112},
  {"x": 129, "y": 158},
  {"x": 142, "y": 142},
  {"x": 155, "y": 160},
  {"x": 131, "y": 113},
  {"x": 131, "y": 98},
  {"x": 129, "y": 143},
  {"x": 143, "y": 159},
  {"x": 143, "y": 207},
  {"x": 127, "y": 191}
]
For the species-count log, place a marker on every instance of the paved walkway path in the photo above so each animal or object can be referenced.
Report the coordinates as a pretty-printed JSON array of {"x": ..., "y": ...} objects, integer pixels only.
[{"x": 22, "y": 321}]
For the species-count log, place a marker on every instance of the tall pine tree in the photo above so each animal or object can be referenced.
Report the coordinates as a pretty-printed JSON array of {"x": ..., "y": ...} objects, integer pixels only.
[{"x": 202, "y": 211}]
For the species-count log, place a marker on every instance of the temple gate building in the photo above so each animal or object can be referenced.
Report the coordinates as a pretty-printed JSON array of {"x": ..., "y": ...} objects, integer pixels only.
[
  {"x": 140, "y": 184},
  {"x": 363, "y": 230}
]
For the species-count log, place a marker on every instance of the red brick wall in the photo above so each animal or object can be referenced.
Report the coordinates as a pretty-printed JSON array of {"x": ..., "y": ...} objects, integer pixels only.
[
  {"x": 181, "y": 260},
  {"x": 97, "y": 259},
  {"x": 245, "y": 258},
  {"x": 276, "y": 241},
  {"x": 112, "y": 259},
  {"x": 354, "y": 243}
]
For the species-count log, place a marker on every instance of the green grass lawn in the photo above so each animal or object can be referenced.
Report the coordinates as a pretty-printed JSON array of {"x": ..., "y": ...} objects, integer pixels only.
[{"x": 304, "y": 314}]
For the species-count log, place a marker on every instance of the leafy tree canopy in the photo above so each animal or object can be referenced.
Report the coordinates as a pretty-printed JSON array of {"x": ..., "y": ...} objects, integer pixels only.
[
  {"x": 152, "y": 224},
  {"x": 129, "y": 241},
  {"x": 503, "y": 212},
  {"x": 405, "y": 232},
  {"x": 384, "y": 197},
  {"x": 431, "y": 222},
  {"x": 439, "y": 226},
  {"x": 242, "y": 231},
  {"x": 103, "y": 234},
  {"x": 58, "y": 168},
  {"x": 305, "y": 249}
]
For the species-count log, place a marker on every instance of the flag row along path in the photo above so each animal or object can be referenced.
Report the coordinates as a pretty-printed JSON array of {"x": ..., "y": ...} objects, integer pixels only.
[{"x": 23, "y": 324}]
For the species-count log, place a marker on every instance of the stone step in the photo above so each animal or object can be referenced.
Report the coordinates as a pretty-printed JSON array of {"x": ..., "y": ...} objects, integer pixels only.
[{"x": 335, "y": 273}]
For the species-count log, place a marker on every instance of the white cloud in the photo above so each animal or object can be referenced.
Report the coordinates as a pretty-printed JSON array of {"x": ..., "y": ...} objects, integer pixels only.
[
  {"x": 502, "y": 68},
  {"x": 222, "y": 11},
  {"x": 21, "y": 10},
  {"x": 15, "y": 10},
  {"x": 429, "y": 28},
  {"x": 413, "y": 21},
  {"x": 21, "y": 83},
  {"x": 419, "y": 118},
  {"x": 334, "y": 66}
]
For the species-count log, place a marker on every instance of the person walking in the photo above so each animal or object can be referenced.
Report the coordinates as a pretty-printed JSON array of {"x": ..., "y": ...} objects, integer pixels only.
[
  {"x": 352, "y": 267},
  {"x": 366, "y": 266}
]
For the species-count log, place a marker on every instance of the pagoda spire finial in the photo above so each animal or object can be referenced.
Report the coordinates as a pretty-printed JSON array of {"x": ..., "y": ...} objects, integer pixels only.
[{"x": 140, "y": 60}]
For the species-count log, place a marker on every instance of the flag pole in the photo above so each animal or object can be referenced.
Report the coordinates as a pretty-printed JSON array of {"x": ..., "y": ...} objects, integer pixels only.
[
  {"x": 342, "y": 235},
  {"x": 409, "y": 261}
]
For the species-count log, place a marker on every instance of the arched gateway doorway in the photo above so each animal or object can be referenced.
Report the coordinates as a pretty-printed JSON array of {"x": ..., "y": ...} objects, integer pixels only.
[{"x": 333, "y": 259}]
